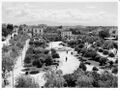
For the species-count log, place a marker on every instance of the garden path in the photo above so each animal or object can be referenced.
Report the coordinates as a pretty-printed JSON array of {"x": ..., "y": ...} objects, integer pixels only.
[{"x": 18, "y": 66}]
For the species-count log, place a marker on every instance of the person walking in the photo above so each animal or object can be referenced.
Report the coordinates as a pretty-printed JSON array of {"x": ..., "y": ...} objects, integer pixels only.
[
  {"x": 67, "y": 52},
  {"x": 26, "y": 73},
  {"x": 66, "y": 59}
]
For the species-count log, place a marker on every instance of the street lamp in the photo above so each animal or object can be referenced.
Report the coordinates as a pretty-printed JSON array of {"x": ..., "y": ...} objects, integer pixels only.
[{"x": 13, "y": 77}]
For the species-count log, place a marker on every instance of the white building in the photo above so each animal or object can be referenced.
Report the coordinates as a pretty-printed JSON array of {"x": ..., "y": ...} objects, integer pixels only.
[
  {"x": 34, "y": 30},
  {"x": 66, "y": 34}
]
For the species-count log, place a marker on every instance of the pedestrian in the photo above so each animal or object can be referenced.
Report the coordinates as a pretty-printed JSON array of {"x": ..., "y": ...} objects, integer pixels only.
[
  {"x": 67, "y": 52},
  {"x": 26, "y": 73},
  {"x": 66, "y": 59}
]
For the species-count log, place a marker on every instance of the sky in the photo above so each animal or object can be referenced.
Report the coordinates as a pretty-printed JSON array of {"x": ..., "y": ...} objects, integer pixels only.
[{"x": 61, "y": 13}]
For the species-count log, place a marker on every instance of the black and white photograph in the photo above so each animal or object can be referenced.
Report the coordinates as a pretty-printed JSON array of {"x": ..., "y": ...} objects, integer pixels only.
[{"x": 59, "y": 44}]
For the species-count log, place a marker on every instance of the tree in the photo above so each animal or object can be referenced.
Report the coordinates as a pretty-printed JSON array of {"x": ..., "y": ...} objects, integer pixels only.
[
  {"x": 24, "y": 81},
  {"x": 7, "y": 66},
  {"x": 70, "y": 80},
  {"x": 7, "y": 63},
  {"x": 7, "y": 29},
  {"x": 37, "y": 63},
  {"x": 115, "y": 70},
  {"x": 109, "y": 44},
  {"x": 111, "y": 55},
  {"x": 108, "y": 80},
  {"x": 104, "y": 33},
  {"x": 27, "y": 60},
  {"x": 103, "y": 61},
  {"x": 5, "y": 48},
  {"x": 105, "y": 52},
  {"x": 54, "y": 79},
  {"x": 90, "y": 53},
  {"x": 53, "y": 51},
  {"x": 48, "y": 60},
  {"x": 95, "y": 69},
  {"x": 97, "y": 58},
  {"x": 84, "y": 81},
  {"x": 10, "y": 27},
  {"x": 82, "y": 66}
]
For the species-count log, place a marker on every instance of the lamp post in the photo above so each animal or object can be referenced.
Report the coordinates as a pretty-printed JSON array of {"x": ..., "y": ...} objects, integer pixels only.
[{"x": 13, "y": 77}]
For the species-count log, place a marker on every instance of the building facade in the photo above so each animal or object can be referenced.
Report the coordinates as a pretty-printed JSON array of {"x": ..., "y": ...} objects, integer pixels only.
[
  {"x": 66, "y": 34},
  {"x": 33, "y": 30}
]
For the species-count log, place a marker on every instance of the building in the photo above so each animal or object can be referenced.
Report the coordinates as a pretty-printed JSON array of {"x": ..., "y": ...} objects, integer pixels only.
[
  {"x": 66, "y": 34},
  {"x": 74, "y": 37},
  {"x": 33, "y": 30},
  {"x": 36, "y": 30},
  {"x": 52, "y": 36}
]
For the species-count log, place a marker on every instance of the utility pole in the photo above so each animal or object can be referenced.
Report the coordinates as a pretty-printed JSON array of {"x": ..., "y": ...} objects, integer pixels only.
[{"x": 13, "y": 77}]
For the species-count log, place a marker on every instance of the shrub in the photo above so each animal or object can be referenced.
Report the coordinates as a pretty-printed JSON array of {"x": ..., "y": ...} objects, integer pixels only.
[
  {"x": 26, "y": 82},
  {"x": 37, "y": 63},
  {"x": 34, "y": 72},
  {"x": 53, "y": 51},
  {"x": 78, "y": 49},
  {"x": 82, "y": 66},
  {"x": 30, "y": 50},
  {"x": 80, "y": 45},
  {"x": 20, "y": 45},
  {"x": 99, "y": 42},
  {"x": 46, "y": 51},
  {"x": 115, "y": 70},
  {"x": 31, "y": 42},
  {"x": 116, "y": 45},
  {"x": 37, "y": 51},
  {"x": 105, "y": 52},
  {"x": 38, "y": 43},
  {"x": 56, "y": 55},
  {"x": 48, "y": 60},
  {"x": 100, "y": 50},
  {"x": 27, "y": 60},
  {"x": 96, "y": 78},
  {"x": 103, "y": 61},
  {"x": 90, "y": 53},
  {"x": 116, "y": 61},
  {"x": 97, "y": 58},
  {"x": 83, "y": 50},
  {"x": 111, "y": 63},
  {"x": 95, "y": 69},
  {"x": 26, "y": 69},
  {"x": 111, "y": 55}
]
